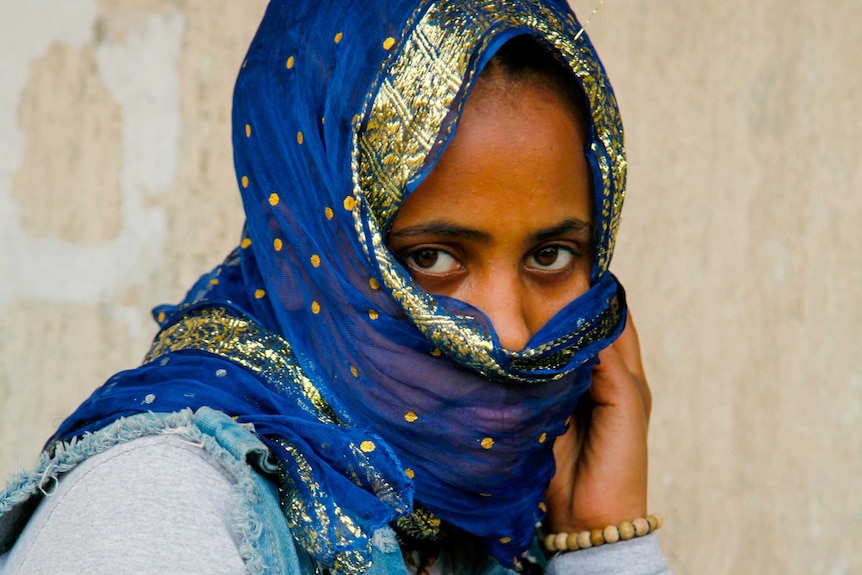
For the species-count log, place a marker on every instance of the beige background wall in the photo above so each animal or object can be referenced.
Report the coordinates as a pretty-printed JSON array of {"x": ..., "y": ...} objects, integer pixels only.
[{"x": 740, "y": 245}]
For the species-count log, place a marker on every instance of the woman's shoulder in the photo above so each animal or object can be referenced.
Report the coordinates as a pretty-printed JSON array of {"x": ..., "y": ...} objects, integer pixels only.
[
  {"x": 155, "y": 504},
  {"x": 148, "y": 490}
]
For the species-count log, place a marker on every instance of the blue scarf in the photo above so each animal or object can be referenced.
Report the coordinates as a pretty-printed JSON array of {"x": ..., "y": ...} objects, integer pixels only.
[{"x": 382, "y": 403}]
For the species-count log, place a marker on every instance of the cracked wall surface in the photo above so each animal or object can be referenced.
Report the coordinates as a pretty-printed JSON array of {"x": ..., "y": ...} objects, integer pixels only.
[{"x": 739, "y": 246}]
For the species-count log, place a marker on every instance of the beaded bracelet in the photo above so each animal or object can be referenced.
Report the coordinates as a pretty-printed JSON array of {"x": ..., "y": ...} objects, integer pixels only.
[{"x": 610, "y": 534}]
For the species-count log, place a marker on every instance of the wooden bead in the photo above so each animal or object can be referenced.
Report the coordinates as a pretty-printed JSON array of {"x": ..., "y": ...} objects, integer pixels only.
[
  {"x": 584, "y": 541},
  {"x": 560, "y": 541},
  {"x": 641, "y": 526},
  {"x": 597, "y": 537},
  {"x": 627, "y": 530},
  {"x": 611, "y": 534}
]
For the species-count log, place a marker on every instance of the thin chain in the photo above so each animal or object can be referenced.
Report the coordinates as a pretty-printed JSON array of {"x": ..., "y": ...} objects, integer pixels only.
[{"x": 587, "y": 21}]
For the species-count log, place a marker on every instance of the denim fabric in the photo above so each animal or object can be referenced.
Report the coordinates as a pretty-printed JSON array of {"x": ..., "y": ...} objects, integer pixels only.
[
  {"x": 267, "y": 539},
  {"x": 274, "y": 542}
]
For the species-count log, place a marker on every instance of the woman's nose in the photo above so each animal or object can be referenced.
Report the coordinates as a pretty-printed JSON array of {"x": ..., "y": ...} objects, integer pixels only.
[{"x": 503, "y": 301}]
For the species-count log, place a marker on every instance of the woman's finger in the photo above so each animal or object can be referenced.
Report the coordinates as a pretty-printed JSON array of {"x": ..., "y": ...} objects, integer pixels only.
[
  {"x": 613, "y": 383},
  {"x": 628, "y": 346}
]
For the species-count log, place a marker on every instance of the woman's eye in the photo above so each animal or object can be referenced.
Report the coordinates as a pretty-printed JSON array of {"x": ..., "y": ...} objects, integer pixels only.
[
  {"x": 432, "y": 261},
  {"x": 551, "y": 258}
]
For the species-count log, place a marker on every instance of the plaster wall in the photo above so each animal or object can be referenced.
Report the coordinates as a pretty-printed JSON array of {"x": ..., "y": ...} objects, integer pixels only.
[{"x": 739, "y": 245}]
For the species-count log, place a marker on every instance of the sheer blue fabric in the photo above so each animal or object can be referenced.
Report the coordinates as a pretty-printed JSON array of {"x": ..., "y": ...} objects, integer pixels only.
[{"x": 393, "y": 399}]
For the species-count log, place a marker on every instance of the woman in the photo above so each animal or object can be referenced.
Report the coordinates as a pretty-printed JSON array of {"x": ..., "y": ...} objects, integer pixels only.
[{"x": 382, "y": 375}]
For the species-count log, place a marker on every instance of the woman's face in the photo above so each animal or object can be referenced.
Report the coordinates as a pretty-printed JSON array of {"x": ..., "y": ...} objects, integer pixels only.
[{"x": 503, "y": 222}]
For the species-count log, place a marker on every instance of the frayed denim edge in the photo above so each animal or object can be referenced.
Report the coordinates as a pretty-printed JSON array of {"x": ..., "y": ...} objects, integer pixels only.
[
  {"x": 21, "y": 484},
  {"x": 384, "y": 540}
]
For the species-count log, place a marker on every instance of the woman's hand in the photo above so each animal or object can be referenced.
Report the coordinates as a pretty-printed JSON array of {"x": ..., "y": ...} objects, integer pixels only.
[{"x": 601, "y": 476}]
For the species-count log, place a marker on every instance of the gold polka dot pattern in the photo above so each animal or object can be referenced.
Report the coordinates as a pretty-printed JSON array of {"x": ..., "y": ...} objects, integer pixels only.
[{"x": 367, "y": 446}]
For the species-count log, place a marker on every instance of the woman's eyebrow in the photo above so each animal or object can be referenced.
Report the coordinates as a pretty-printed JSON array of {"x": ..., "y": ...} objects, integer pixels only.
[
  {"x": 441, "y": 229},
  {"x": 455, "y": 231},
  {"x": 572, "y": 225}
]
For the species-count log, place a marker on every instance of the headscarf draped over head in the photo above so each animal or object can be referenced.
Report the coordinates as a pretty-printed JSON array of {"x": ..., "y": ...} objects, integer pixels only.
[{"x": 381, "y": 402}]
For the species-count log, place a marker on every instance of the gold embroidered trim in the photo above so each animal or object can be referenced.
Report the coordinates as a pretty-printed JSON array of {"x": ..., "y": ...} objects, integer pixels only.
[
  {"x": 219, "y": 331},
  {"x": 421, "y": 525},
  {"x": 323, "y": 534}
]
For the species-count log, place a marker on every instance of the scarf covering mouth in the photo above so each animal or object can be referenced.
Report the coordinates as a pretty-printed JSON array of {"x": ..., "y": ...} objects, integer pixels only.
[{"x": 381, "y": 403}]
